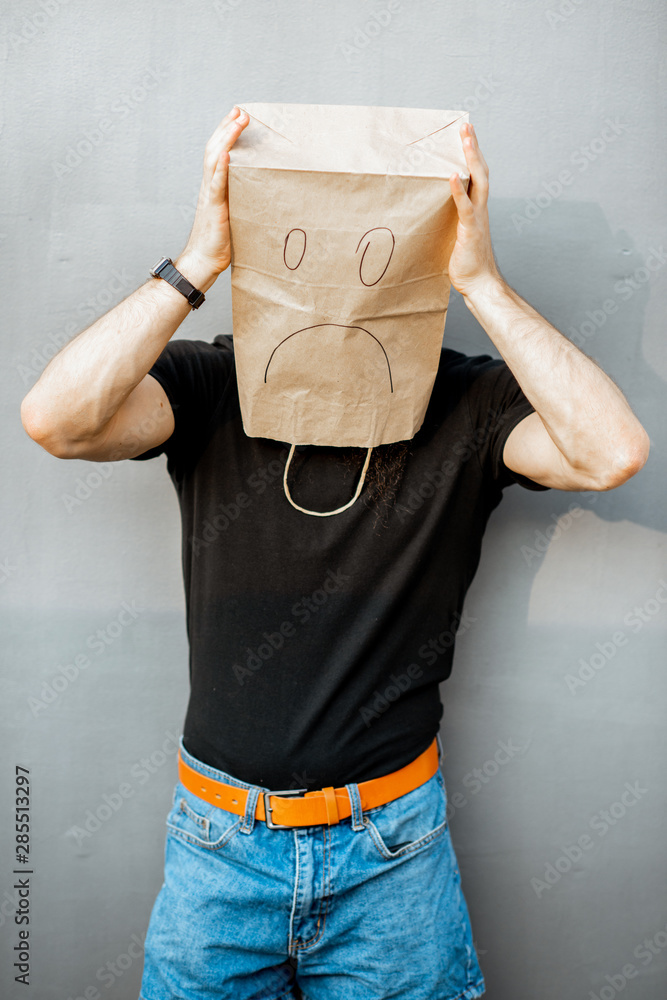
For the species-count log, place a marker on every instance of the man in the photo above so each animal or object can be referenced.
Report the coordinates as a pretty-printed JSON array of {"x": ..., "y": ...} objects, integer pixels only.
[{"x": 317, "y": 644}]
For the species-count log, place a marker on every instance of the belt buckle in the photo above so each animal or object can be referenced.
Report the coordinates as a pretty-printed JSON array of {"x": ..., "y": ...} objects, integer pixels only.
[{"x": 268, "y": 809}]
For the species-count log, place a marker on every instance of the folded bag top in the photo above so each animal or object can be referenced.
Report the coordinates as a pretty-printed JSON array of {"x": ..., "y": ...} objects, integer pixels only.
[{"x": 342, "y": 223}]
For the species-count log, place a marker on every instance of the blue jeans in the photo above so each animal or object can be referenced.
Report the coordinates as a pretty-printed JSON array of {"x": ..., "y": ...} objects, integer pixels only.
[{"x": 368, "y": 908}]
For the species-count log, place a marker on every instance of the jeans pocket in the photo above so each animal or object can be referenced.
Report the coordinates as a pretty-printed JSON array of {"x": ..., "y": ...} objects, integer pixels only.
[
  {"x": 410, "y": 823},
  {"x": 196, "y": 821}
]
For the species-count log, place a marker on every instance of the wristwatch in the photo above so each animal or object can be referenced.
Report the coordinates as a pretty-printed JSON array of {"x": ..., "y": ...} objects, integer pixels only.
[{"x": 165, "y": 269}]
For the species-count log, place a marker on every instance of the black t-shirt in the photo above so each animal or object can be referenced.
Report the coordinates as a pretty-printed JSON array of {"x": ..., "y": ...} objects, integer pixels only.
[{"x": 317, "y": 644}]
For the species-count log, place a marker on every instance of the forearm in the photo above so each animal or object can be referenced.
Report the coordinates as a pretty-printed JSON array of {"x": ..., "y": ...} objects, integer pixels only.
[
  {"x": 584, "y": 412},
  {"x": 84, "y": 385}
]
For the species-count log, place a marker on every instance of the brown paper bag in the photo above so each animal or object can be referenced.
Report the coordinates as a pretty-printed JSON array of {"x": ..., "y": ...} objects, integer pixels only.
[{"x": 342, "y": 223}]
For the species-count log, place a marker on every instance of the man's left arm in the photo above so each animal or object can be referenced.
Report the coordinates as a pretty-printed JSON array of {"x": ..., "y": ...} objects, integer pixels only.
[{"x": 583, "y": 435}]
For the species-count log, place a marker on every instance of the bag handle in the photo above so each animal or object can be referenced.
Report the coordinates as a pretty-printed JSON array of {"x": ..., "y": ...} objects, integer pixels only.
[{"x": 324, "y": 513}]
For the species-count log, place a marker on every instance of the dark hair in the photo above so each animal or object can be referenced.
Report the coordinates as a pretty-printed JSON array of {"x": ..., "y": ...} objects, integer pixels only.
[{"x": 384, "y": 475}]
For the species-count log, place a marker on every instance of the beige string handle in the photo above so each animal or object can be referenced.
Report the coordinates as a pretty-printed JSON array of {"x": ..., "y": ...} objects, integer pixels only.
[{"x": 324, "y": 513}]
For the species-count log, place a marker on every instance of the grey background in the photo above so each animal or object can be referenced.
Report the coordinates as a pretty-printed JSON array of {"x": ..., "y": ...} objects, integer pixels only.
[{"x": 540, "y": 81}]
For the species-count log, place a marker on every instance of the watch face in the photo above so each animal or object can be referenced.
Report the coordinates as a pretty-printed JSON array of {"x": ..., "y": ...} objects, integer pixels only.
[{"x": 158, "y": 267}]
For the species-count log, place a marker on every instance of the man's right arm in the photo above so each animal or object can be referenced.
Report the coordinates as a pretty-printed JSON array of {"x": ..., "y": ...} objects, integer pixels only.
[{"x": 95, "y": 399}]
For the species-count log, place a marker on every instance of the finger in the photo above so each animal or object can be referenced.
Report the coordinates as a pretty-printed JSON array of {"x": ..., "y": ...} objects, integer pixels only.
[
  {"x": 220, "y": 177},
  {"x": 479, "y": 151},
  {"x": 226, "y": 140},
  {"x": 234, "y": 113},
  {"x": 479, "y": 172},
  {"x": 463, "y": 203},
  {"x": 234, "y": 129},
  {"x": 215, "y": 143}
]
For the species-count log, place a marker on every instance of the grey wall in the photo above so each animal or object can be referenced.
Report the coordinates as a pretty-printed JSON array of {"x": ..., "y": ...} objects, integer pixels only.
[{"x": 541, "y": 80}]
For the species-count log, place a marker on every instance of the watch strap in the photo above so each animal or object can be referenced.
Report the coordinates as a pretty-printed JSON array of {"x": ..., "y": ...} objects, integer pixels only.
[{"x": 165, "y": 269}]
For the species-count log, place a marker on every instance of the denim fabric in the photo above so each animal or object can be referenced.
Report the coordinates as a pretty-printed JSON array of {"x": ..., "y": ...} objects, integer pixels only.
[{"x": 369, "y": 908}]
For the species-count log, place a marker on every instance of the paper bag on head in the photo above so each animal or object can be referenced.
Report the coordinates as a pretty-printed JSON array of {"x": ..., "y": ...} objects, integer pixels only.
[{"x": 342, "y": 224}]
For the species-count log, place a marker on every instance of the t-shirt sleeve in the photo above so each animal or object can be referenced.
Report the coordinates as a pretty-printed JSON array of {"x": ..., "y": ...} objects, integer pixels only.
[
  {"x": 194, "y": 375},
  {"x": 496, "y": 405}
]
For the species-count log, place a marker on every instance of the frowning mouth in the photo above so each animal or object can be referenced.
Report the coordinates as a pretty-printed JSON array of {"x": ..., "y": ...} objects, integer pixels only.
[{"x": 340, "y": 326}]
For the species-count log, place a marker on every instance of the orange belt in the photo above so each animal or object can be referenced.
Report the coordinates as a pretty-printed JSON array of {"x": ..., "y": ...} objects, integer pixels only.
[{"x": 325, "y": 805}]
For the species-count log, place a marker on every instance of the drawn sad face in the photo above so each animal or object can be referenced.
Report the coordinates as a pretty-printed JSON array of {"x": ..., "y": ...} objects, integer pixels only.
[
  {"x": 335, "y": 353},
  {"x": 339, "y": 293}
]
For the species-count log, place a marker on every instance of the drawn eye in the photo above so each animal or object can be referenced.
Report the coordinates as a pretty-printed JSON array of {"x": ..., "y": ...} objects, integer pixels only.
[
  {"x": 294, "y": 248},
  {"x": 379, "y": 250}
]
